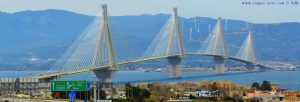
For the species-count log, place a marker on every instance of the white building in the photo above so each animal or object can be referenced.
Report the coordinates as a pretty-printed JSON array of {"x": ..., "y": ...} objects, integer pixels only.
[
  {"x": 121, "y": 94},
  {"x": 203, "y": 93}
]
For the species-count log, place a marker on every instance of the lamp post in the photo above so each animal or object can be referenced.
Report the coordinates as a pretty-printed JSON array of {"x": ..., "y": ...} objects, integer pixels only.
[
  {"x": 95, "y": 94},
  {"x": 254, "y": 93}
]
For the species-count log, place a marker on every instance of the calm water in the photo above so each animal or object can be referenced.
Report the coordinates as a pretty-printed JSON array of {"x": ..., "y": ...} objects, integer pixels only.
[{"x": 286, "y": 79}]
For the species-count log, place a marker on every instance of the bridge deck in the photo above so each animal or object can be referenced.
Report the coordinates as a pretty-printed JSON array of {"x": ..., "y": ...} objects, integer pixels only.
[{"x": 51, "y": 75}]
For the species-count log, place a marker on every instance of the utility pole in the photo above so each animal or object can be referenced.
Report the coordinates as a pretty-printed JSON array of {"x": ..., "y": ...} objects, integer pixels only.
[{"x": 95, "y": 94}]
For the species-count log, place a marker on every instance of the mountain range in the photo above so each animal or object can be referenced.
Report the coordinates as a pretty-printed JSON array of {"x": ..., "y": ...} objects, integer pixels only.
[{"x": 35, "y": 39}]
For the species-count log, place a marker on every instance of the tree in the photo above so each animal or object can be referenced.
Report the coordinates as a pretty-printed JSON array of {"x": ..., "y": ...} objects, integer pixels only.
[
  {"x": 244, "y": 94},
  {"x": 136, "y": 94},
  {"x": 146, "y": 93},
  {"x": 266, "y": 86},
  {"x": 214, "y": 86},
  {"x": 127, "y": 84},
  {"x": 192, "y": 97},
  {"x": 128, "y": 90},
  {"x": 255, "y": 85},
  {"x": 102, "y": 94}
]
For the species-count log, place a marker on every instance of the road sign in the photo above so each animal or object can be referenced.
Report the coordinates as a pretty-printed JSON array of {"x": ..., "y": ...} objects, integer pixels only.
[
  {"x": 88, "y": 84},
  {"x": 72, "y": 94},
  {"x": 57, "y": 94},
  {"x": 69, "y": 86}
]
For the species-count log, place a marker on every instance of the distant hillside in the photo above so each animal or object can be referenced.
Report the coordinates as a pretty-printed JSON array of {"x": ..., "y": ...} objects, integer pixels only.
[{"x": 34, "y": 39}]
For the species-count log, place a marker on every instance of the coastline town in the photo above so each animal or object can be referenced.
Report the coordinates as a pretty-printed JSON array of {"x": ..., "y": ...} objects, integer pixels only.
[{"x": 202, "y": 91}]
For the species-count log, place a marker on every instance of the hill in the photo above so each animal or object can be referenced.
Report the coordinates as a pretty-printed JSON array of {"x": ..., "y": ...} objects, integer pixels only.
[{"x": 35, "y": 39}]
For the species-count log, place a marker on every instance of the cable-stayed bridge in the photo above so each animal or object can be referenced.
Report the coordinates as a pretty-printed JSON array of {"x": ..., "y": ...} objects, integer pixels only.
[{"x": 94, "y": 51}]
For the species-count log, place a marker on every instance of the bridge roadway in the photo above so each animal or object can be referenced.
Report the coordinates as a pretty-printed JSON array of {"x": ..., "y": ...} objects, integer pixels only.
[{"x": 53, "y": 75}]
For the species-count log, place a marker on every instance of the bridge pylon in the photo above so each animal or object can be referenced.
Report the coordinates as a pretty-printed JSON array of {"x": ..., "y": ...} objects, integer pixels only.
[
  {"x": 247, "y": 53},
  {"x": 104, "y": 53},
  {"x": 168, "y": 43},
  {"x": 215, "y": 45},
  {"x": 175, "y": 61},
  {"x": 220, "y": 61}
]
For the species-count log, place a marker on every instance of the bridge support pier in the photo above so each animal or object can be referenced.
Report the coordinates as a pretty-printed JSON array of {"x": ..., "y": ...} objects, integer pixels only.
[
  {"x": 104, "y": 77},
  {"x": 49, "y": 78},
  {"x": 219, "y": 65},
  {"x": 175, "y": 71},
  {"x": 251, "y": 67}
]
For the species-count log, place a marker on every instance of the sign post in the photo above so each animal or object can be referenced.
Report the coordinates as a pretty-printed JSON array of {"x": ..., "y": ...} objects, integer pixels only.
[
  {"x": 57, "y": 95},
  {"x": 72, "y": 96}
]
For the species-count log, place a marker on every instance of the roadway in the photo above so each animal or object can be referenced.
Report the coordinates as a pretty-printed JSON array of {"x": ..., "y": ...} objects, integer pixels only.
[{"x": 59, "y": 74}]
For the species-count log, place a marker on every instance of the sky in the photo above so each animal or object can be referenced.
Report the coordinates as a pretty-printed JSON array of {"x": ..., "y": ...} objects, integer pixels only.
[{"x": 228, "y": 9}]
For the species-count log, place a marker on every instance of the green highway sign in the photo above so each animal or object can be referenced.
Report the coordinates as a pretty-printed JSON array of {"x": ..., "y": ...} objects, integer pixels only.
[{"x": 69, "y": 86}]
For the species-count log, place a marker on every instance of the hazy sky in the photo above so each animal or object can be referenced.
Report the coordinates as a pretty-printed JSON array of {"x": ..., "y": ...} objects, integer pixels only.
[{"x": 231, "y": 9}]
